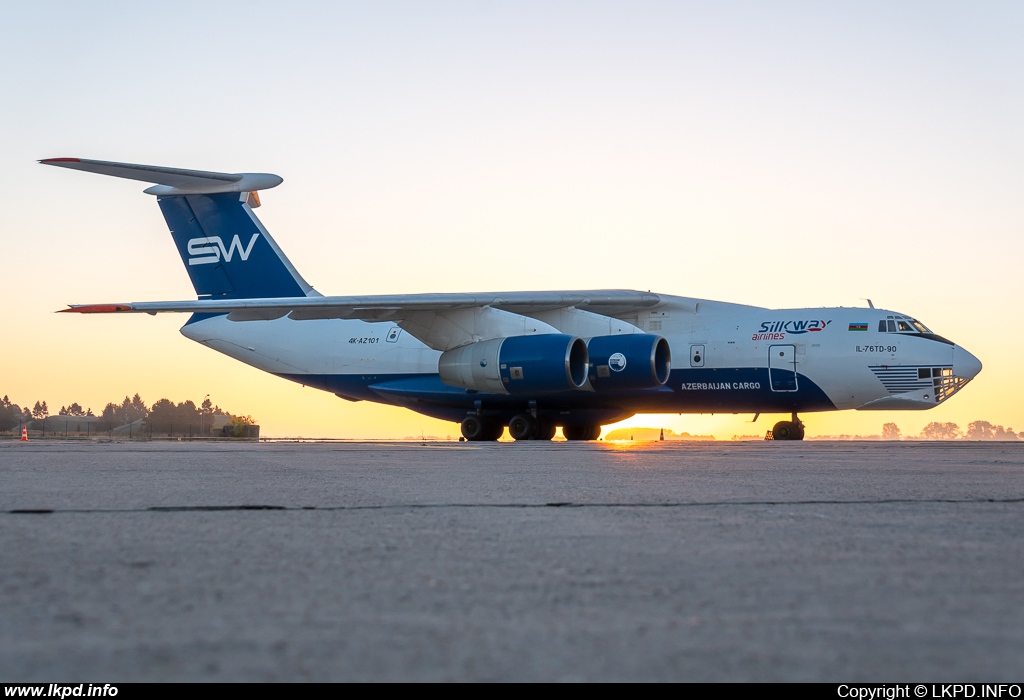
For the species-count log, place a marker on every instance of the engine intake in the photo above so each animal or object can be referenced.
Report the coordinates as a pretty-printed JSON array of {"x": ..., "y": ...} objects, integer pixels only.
[
  {"x": 520, "y": 364},
  {"x": 625, "y": 362}
]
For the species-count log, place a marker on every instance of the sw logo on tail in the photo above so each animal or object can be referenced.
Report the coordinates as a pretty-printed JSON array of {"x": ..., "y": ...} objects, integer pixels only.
[{"x": 202, "y": 247}]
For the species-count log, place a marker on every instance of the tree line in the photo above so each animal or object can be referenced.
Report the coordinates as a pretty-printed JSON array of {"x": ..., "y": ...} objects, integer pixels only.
[
  {"x": 164, "y": 417},
  {"x": 977, "y": 430}
]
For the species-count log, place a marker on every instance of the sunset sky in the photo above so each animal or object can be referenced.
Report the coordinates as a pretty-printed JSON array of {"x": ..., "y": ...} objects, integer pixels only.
[{"x": 783, "y": 154}]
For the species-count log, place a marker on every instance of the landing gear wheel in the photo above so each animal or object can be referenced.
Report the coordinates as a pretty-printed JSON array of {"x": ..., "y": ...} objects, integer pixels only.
[
  {"x": 572, "y": 432},
  {"x": 545, "y": 431},
  {"x": 473, "y": 428},
  {"x": 522, "y": 427},
  {"x": 788, "y": 430},
  {"x": 581, "y": 432},
  {"x": 496, "y": 431},
  {"x": 476, "y": 429}
]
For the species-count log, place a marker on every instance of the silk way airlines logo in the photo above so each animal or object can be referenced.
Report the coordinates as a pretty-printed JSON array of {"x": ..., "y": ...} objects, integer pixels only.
[
  {"x": 212, "y": 249},
  {"x": 796, "y": 327}
]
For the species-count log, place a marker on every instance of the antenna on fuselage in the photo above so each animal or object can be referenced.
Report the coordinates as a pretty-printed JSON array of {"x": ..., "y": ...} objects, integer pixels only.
[{"x": 870, "y": 305}]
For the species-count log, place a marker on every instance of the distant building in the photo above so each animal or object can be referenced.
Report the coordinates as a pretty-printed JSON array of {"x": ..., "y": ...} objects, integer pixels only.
[
  {"x": 217, "y": 422},
  {"x": 71, "y": 425},
  {"x": 249, "y": 432},
  {"x": 134, "y": 429}
]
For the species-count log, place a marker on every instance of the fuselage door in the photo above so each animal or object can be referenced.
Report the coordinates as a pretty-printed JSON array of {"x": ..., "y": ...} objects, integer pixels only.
[
  {"x": 696, "y": 356},
  {"x": 782, "y": 367}
]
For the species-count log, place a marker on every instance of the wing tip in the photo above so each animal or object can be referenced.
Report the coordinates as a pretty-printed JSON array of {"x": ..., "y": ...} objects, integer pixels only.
[
  {"x": 51, "y": 161},
  {"x": 95, "y": 309}
]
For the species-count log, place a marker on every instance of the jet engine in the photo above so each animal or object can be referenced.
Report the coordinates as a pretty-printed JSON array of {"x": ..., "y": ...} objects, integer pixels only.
[
  {"x": 520, "y": 364},
  {"x": 629, "y": 361}
]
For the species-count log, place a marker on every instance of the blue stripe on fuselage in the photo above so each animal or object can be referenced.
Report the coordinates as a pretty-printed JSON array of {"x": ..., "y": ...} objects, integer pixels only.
[{"x": 697, "y": 390}]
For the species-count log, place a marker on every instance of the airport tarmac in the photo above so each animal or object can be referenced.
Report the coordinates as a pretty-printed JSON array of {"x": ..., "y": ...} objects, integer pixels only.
[{"x": 527, "y": 562}]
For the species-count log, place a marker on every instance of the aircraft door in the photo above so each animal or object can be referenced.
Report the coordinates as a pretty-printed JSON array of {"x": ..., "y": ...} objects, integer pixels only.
[{"x": 782, "y": 367}]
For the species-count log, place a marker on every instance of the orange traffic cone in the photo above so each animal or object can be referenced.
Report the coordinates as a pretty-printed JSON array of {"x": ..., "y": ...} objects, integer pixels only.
[{"x": 24, "y": 433}]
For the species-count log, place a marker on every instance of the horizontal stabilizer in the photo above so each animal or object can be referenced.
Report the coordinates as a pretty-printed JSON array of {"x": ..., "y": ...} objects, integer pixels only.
[{"x": 173, "y": 181}]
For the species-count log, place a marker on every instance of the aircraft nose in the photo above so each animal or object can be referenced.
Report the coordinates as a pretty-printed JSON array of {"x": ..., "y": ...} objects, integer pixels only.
[{"x": 965, "y": 365}]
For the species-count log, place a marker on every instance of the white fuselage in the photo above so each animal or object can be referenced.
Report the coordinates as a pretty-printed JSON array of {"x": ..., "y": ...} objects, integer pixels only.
[{"x": 717, "y": 348}]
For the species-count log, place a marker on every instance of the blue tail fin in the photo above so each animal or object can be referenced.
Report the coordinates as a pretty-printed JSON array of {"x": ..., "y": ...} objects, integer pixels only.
[{"x": 227, "y": 251}]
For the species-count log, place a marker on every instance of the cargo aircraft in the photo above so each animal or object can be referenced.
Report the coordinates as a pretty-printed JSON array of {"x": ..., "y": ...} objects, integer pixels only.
[{"x": 529, "y": 361}]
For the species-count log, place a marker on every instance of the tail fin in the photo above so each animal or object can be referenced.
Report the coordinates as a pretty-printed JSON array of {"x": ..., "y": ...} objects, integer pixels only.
[{"x": 227, "y": 252}]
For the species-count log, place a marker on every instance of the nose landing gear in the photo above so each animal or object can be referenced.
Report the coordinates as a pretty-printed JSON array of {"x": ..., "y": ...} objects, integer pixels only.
[{"x": 788, "y": 429}]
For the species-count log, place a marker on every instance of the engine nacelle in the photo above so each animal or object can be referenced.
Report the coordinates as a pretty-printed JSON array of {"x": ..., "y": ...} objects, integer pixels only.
[
  {"x": 629, "y": 361},
  {"x": 519, "y": 364}
]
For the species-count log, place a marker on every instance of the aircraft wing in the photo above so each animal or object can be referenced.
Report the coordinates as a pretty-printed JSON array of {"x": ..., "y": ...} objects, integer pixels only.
[{"x": 441, "y": 321}]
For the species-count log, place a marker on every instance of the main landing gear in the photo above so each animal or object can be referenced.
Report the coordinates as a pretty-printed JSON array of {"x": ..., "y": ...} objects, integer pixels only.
[
  {"x": 581, "y": 432},
  {"x": 788, "y": 429},
  {"x": 475, "y": 428},
  {"x": 523, "y": 426}
]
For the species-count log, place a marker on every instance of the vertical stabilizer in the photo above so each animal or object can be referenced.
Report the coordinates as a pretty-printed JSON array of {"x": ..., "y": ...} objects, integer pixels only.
[{"x": 227, "y": 251}]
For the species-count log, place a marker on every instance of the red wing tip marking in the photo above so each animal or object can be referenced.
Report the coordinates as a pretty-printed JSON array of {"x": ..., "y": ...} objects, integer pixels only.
[
  {"x": 96, "y": 309},
  {"x": 61, "y": 160}
]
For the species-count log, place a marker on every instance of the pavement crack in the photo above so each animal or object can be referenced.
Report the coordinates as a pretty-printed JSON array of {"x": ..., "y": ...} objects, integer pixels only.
[
  {"x": 553, "y": 504},
  {"x": 216, "y": 508}
]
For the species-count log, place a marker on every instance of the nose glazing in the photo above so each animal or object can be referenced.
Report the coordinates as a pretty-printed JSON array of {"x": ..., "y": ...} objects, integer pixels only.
[{"x": 965, "y": 365}]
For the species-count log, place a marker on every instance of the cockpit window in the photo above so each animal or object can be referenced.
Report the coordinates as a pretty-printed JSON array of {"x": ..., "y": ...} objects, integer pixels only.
[{"x": 902, "y": 324}]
